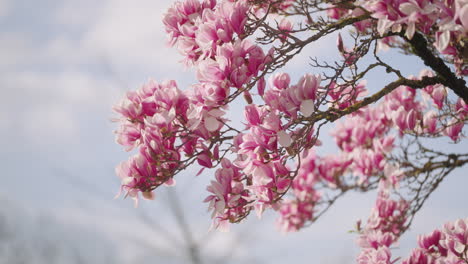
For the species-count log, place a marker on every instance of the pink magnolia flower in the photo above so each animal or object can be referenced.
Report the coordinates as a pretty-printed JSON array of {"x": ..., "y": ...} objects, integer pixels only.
[
  {"x": 411, "y": 119},
  {"x": 210, "y": 33},
  {"x": 331, "y": 167},
  {"x": 229, "y": 198},
  {"x": 285, "y": 26},
  {"x": 461, "y": 108},
  {"x": 202, "y": 120},
  {"x": 349, "y": 55},
  {"x": 417, "y": 12},
  {"x": 261, "y": 84},
  {"x": 388, "y": 215},
  {"x": 418, "y": 257},
  {"x": 456, "y": 237},
  {"x": 279, "y": 81},
  {"x": 430, "y": 122},
  {"x": 290, "y": 99},
  {"x": 461, "y": 13},
  {"x": 295, "y": 213},
  {"x": 129, "y": 134},
  {"x": 336, "y": 13},
  {"x": 376, "y": 239},
  {"x": 236, "y": 14},
  {"x": 381, "y": 255},
  {"x": 447, "y": 245},
  {"x": 230, "y": 65},
  {"x": 367, "y": 163},
  {"x": 211, "y": 71},
  {"x": 252, "y": 114},
  {"x": 210, "y": 94},
  {"x": 345, "y": 96},
  {"x": 204, "y": 159},
  {"x": 431, "y": 243},
  {"x": 438, "y": 95},
  {"x": 393, "y": 174},
  {"x": 199, "y": 28},
  {"x": 130, "y": 107},
  {"x": 454, "y": 129}
]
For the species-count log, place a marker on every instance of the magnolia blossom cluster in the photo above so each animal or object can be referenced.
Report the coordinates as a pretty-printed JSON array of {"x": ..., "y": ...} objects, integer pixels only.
[
  {"x": 365, "y": 139},
  {"x": 233, "y": 66},
  {"x": 258, "y": 149},
  {"x": 295, "y": 213},
  {"x": 446, "y": 245},
  {"x": 150, "y": 120},
  {"x": 170, "y": 129},
  {"x": 229, "y": 199},
  {"x": 383, "y": 227},
  {"x": 366, "y": 136},
  {"x": 209, "y": 35},
  {"x": 198, "y": 28},
  {"x": 167, "y": 124},
  {"x": 409, "y": 113},
  {"x": 444, "y": 21},
  {"x": 290, "y": 99}
]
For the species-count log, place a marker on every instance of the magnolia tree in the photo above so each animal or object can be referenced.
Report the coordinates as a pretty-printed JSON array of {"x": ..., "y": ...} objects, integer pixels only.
[{"x": 269, "y": 162}]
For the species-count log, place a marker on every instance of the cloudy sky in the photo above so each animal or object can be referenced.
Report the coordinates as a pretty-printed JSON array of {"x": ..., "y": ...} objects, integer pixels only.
[{"x": 62, "y": 66}]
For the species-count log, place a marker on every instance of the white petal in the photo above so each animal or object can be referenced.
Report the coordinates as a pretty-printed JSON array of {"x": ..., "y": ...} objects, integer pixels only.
[
  {"x": 410, "y": 29},
  {"x": 126, "y": 180},
  {"x": 459, "y": 247},
  {"x": 193, "y": 123},
  {"x": 408, "y": 8},
  {"x": 216, "y": 112},
  {"x": 396, "y": 28},
  {"x": 219, "y": 206},
  {"x": 464, "y": 16},
  {"x": 260, "y": 177},
  {"x": 444, "y": 40},
  {"x": 307, "y": 107},
  {"x": 211, "y": 124},
  {"x": 171, "y": 114},
  {"x": 259, "y": 209},
  {"x": 383, "y": 25},
  {"x": 284, "y": 139}
]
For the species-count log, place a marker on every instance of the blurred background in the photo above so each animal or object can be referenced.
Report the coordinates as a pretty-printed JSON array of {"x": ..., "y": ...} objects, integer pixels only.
[{"x": 63, "y": 64}]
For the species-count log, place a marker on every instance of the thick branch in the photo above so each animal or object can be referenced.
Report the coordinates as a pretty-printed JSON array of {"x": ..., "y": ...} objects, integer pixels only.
[
  {"x": 449, "y": 79},
  {"x": 335, "y": 114}
]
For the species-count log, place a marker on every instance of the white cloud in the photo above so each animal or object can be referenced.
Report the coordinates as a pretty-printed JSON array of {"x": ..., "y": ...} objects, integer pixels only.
[
  {"x": 5, "y": 124},
  {"x": 20, "y": 50},
  {"x": 64, "y": 50},
  {"x": 4, "y": 7},
  {"x": 69, "y": 87},
  {"x": 15, "y": 50},
  {"x": 124, "y": 36},
  {"x": 78, "y": 13},
  {"x": 45, "y": 106},
  {"x": 131, "y": 34},
  {"x": 48, "y": 123}
]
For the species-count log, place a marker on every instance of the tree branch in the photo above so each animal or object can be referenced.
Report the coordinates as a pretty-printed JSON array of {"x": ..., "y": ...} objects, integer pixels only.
[
  {"x": 449, "y": 79},
  {"x": 334, "y": 114}
]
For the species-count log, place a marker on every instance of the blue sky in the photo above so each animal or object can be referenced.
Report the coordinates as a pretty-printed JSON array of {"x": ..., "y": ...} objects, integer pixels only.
[{"x": 63, "y": 64}]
